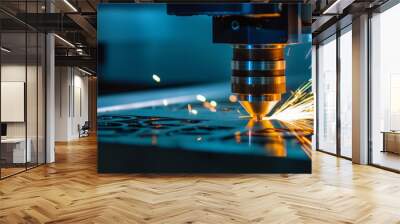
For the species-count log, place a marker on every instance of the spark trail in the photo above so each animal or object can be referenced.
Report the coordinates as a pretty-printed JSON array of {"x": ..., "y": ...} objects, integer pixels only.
[{"x": 299, "y": 106}]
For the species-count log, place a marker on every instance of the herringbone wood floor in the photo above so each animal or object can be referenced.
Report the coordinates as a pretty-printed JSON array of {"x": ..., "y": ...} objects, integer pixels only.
[{"x": 70, "y": 191}]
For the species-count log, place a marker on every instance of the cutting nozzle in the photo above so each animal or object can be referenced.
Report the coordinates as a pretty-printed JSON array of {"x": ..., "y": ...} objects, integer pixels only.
[
  {"x": 258, "y": 109},
  {"x": 258, "y": 77}
]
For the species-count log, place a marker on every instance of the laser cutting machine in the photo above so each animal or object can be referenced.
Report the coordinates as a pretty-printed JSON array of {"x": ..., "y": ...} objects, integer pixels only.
[
  {"x": 258, "y": 34},
  {"x": 166, "y": 135}
]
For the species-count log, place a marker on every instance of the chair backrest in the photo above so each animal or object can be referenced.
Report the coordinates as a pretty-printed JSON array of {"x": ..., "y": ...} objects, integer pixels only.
[{"x": 86, "y": 125}]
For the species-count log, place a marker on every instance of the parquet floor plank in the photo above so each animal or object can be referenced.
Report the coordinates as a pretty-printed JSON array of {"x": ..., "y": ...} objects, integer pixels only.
[{"x": 71, "y": 191}]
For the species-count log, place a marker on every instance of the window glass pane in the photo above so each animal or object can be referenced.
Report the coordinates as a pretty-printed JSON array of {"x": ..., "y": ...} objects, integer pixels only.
[
  {"x": 385, "y": 84},
  {"x": 14, "y": 153},
  {"x": 22, "y": 89},
  {"x": 346, "y": 94},
  {"x": 327, "y": 96}
]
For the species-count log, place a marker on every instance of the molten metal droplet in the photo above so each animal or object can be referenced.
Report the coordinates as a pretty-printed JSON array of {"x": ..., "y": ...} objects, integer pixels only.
[{"x": 258, "y": 109}]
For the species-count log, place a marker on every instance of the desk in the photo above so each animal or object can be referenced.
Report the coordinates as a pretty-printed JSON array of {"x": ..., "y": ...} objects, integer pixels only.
[
  {"x": 391, "y": 141},
  {"x": 15, "y": 148}
]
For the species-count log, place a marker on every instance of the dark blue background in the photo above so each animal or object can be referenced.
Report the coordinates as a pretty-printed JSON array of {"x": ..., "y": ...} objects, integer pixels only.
[{"x": 139, "y": 40}]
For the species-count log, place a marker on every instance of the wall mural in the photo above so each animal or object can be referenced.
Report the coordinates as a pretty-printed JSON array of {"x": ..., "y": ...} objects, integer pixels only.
[{"x": 204, "y": 88}]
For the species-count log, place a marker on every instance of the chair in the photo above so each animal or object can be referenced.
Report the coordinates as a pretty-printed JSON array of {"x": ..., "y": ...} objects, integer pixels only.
[{"x": 84, "y": 130}]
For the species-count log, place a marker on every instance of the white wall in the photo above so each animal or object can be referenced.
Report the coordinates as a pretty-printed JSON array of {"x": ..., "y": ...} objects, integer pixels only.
[
  {"x": 71, "y": 94},
  {"x": 62, "y": 82},
  {"x": 80, "y": 110},
  {"x": 15, "y": 72},
  {"x": 11, "y": 73},
  {"x": 33, "y": 126}
]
